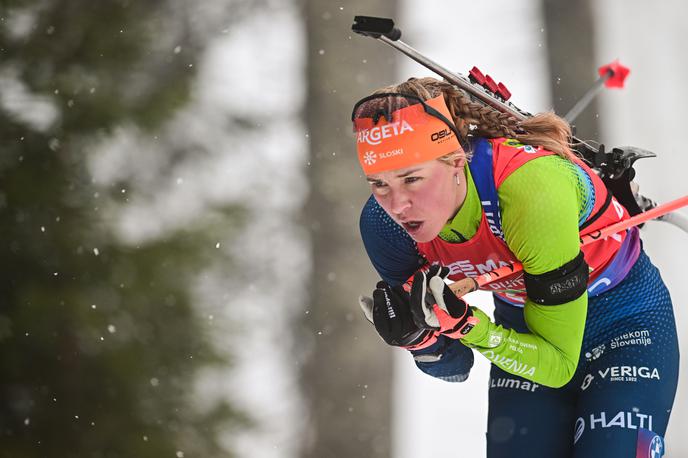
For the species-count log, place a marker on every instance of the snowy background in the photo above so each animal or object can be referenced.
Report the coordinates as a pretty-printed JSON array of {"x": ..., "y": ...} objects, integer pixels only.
[
  {"x": 648, "y": 113},
  {"x": 252, "y": 292}
]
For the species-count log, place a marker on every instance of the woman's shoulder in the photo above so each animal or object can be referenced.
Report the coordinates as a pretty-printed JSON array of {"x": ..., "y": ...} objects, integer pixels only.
[
  {"x": 510, "y": 155},
  {"x": 391, "y": 250}
]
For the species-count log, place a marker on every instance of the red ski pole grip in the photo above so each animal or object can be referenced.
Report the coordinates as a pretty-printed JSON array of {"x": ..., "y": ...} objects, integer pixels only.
[{"x": 615, "y": 72}]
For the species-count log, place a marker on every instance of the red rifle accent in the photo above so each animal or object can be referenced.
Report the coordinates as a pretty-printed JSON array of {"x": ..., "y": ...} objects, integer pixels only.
[
  {"x": 490, "y": 84},
  {"x": 476, "y": 76},
  {"x": 503, "y": 91}
]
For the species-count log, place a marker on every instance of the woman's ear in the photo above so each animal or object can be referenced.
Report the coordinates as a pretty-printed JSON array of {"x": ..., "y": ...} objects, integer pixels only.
[{"x": 460, "y": 160}]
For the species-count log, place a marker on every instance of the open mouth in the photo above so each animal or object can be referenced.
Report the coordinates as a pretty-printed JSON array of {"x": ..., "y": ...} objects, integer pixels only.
[{"x": 412, "y": 227}]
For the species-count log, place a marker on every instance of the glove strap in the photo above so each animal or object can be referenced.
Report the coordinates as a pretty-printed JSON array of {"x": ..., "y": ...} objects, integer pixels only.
[
  {"x": 428, "y": 340},
  {"x": 463, "y": 328}
]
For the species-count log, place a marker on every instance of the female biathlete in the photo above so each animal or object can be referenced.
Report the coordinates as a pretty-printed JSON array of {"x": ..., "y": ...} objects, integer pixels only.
[{"x": 583, "y": 344}]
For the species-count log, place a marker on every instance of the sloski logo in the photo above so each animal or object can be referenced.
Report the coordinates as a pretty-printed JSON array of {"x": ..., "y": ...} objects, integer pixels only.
[
  {"x": 369, "y": 157},
  {"x": 392, "y": 153}
]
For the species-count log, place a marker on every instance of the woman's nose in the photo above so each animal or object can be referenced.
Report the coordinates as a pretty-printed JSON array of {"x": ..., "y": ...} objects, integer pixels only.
[{"x": 400, "y": 202}]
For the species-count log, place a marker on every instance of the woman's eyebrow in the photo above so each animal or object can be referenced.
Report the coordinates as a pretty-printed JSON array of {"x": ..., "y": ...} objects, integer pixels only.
[
  {"x": 401, "y": 175},
  {"x": 408, "y": 172}
]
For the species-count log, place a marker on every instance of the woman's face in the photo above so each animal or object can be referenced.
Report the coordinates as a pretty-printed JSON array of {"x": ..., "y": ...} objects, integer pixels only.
[{"x": 421, "y": 198}]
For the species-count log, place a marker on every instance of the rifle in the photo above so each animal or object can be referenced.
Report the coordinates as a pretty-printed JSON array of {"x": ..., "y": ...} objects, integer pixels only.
[{"x": 615, "y": 167}]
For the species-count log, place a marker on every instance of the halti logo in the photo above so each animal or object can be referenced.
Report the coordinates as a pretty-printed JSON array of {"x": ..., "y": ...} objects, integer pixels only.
[
  {"x": 622, "y": 420},
  {"x": 626, "y": 420},
  {"x": 375, "y": 135}
]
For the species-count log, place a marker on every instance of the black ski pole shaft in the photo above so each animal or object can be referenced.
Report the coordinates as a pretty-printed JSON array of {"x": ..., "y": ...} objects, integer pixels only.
[
  {"x": 612, "y": 75},
  {"x": 590, "y": 94}
]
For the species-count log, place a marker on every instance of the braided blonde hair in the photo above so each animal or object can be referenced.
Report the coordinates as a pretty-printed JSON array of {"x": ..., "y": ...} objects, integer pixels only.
[{"x": 477, "y": 119}]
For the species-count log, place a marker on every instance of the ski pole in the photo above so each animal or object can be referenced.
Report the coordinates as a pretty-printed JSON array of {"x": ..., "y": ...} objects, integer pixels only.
[
  {"x": 612, "y": 75},
  {"x": 470, "y": 284},
  {"x": 674, "y": 218}
]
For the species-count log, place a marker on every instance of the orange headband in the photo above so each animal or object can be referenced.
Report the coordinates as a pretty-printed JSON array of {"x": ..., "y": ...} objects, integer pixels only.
[{"x": 412, "y": 137}]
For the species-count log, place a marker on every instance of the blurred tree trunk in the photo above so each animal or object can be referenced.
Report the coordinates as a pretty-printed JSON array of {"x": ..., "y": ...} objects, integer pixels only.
[
  {"x": 570, "y": 32},
  {"x": 101, "y": 340},
  {"x": 346, "y": 377}
]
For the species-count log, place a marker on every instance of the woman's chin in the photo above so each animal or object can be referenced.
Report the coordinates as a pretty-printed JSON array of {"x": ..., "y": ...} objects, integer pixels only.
[
  {"x": 420, "y": 231},
  {"x": 422, "y": 236}
]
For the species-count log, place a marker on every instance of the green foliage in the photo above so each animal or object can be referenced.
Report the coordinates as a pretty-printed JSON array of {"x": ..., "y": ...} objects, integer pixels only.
[
  {"x": 100, "y": 343},
  {"x": 99, "y": 57}
]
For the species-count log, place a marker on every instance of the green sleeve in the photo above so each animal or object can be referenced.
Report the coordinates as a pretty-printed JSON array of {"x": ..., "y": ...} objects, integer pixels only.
[{"x": 541, "y": 203}]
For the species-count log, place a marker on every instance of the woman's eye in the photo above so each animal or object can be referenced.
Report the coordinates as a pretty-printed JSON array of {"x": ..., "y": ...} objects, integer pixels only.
[
  {"x": 379, "y": 188},
  {"x": 409, "y": 180}
]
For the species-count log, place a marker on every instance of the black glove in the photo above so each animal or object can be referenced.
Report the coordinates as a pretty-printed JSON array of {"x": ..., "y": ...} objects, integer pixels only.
[
  {"x": 389, "y": 311},
  {"x": 435, "y": 307}
]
